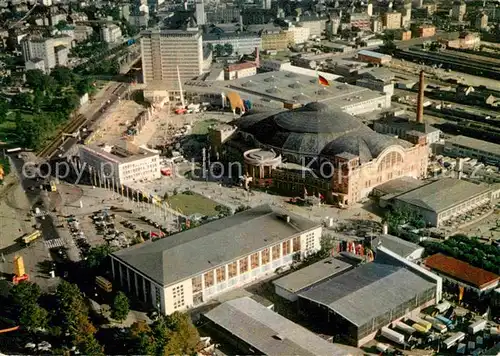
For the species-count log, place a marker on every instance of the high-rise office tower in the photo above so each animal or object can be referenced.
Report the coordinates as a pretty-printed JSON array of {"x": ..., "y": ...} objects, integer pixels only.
[{"x": 163, "y": 51}]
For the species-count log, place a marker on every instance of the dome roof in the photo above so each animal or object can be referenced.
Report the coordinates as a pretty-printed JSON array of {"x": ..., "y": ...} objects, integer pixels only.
[{"x": 316, "y": 129}]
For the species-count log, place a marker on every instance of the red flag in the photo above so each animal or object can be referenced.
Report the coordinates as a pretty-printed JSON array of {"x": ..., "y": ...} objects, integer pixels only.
[{"x": 323, "y": 81}]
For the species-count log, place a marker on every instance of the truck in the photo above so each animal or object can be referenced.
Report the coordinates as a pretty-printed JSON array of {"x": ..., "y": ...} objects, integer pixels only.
[
  {"x": 419, "y": 328},
  {"x": 477, "y": 326},
  {"x": 453, "y": 339},
  {"x": 424, "y": 323},
  {"x": 438, "y": 326},
  {"x": 445, "y": 321},
  {"x": 31, "y": 237},
  {"x": 443, "y": 307},
  {"x": 407, "y": 329},
  {"x": 392, "y": 335}
]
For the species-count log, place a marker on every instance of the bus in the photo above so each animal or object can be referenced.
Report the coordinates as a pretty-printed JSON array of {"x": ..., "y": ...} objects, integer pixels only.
[
  {"x": 53, "y": 187},
  {"x": 31, "y": 237},
  {"x": 437, "y": 325},
  {"x": 445, "y": 321},
  {"x": 424, "y": 323},
  {"x": 419, "y": 328},
  {"x": 453, "y": 339},
  {"x": 104, "y": 284},
  {"x": 12, "y": 150}
]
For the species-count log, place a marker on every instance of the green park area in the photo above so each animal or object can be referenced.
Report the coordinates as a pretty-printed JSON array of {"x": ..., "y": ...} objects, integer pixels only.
[
  {"x": 189, "y": 203},
  {"x": 201, "y": 127},
  {"x": 31, "y": 117}
]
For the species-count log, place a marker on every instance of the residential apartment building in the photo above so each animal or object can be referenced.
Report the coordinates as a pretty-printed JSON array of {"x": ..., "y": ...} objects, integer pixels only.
[
  {"x": 243, "y": 43},
  {"x": 190, "y": 268},
  {"x": 53, "y": 51},
  {"x": 481, "y": 21},
  {"x": 299, "y": 34},
  {"x": 360, "y": 20},
  {"x": 316, "y": 25},
  {"x": 274, "y": 40},
  {"x": 426, "y": 31},
  {"x": 222, "y": 14},
  {"x": 121, "y": 165},
  {"x": 458, "y": 11},
  {"x": 111, "y": 33},
  {"x": 164, "y": 52},
  {"x": 392, "y": 20}
]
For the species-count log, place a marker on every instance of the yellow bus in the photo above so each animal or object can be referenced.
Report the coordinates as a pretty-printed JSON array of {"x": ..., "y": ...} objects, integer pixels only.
[
  {"x": 104, "y": 284},
  {"x": 53, "y": 187},
  {"x": 31, "y": 237}
]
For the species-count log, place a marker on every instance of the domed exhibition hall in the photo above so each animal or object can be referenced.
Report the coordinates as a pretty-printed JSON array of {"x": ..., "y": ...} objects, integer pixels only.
[{"x": 322, "y": 137}]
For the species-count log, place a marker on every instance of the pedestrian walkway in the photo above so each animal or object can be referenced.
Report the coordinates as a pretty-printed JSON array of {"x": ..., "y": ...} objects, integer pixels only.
[{"x": 54, "y": 243}]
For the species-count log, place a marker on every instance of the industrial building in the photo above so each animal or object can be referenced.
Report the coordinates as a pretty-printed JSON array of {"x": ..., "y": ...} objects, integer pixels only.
[
  {"x": 373, "y": 57},
  {"x": 462, "y": 273},
  {"x": 294, "y": 88},
  {"x": 121, "y": 165},
  {"x": 165, "y": 53},
  {"x": 404, "y": 127},
  {"x": 403, "y": 248},
  {"x": 358, "y": 303},
  {"x": 463, "y": 146},
  {"x": 291, "y": 285},
  {"x": 191, "y": 267},
  {"x": 251, "y": 328},
  {"x": 444, "y": 199}
]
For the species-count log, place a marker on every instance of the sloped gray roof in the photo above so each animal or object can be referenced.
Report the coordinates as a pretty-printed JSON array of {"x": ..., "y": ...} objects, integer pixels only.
[
  {"x": 397, "y": 245},
  {"x": 191, "y": 252},
  {"x": 268, "y": 332},
  {"x": 368, "y": 291},
  {"x": 443, "y": 194}
]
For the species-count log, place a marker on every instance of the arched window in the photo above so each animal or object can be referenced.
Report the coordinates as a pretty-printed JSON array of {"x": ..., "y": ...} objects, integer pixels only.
[{"x": 390, "y": 160}]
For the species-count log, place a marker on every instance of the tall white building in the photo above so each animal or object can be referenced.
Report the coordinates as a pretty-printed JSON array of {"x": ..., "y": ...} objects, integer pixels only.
[
  {"x": 163, "y": 51},
  {"x": 111, "y": 33},
  {"x": 201, "y": 17},
  {"x": 53, "y": 51}
]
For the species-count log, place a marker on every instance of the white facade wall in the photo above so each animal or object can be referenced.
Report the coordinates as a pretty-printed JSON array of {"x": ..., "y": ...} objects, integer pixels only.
[
  {"x": 241, "y": 45},
  {"x": 241, "y": 73},
  {"x": 315, "y": 27},
  {"x": 180, "y": 296},
  {"x": 111, "y": 33}
]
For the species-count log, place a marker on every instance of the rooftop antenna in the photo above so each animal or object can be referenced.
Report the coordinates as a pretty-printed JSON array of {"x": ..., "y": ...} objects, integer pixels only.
[{"x": 180, "y": 88}]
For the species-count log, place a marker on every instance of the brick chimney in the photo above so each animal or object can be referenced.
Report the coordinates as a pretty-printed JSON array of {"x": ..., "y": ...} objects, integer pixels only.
[
  {"x": 420, "y": 99},
  {"x": 257, "y": 57}
]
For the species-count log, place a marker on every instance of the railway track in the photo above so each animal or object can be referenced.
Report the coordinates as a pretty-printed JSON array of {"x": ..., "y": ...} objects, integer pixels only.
[{"x": 74, "y": 125}]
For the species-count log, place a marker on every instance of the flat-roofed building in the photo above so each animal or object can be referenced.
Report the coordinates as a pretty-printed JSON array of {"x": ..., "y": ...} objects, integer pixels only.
[
  {"x": 190, "y": 268},
  {"x": 243, "y": 43},
  {"x": 291, "y": 285},
  {"x": 373, "y": 57},
  {"x": 254, "y": 329},
  {"x": 462, "y": 273},
  {"x": 463, "y": 146},
  {"x": 392, "y": 20},
  {"x": 240, "y": 70},
  {"x": 358, "y": 303},
  {"x": 444, "y": 199},
  {"x": 121, "y": 165}
]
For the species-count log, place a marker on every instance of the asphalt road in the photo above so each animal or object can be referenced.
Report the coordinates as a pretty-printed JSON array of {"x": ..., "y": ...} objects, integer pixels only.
[{"x": 112, "y": 96}]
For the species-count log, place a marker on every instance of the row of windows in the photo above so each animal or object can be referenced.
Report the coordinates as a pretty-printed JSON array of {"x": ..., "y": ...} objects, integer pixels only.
[{"x": 265, "y": 256}]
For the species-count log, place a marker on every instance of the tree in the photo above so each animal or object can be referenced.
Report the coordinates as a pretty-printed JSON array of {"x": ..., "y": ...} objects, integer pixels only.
[
  {"x": 4, "y": 110},
  {"x": 141, "y": 339},
  {"x": 219, "y": 50},
  {"x": 97, "y": 256},
  {"x": 25, "y": 296},
  {"x": 35, "y": 78},
  {"x": 22, "y": 101},
  {"x": 61, "y": 25},
  {"x": 182, "y": 337},
  {"x": 121, "y": 307},
  {"x": 228, "y": 49},
  {"x": 62, "y": 75}
]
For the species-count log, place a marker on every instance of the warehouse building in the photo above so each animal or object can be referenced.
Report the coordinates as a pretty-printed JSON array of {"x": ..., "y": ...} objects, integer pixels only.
[
  {"x": 121, "y": 165},
  {"x": 189, "y": 268},
  {"x": 253, "y": 329},
  {"x": 373, "y": 57},
  {"x": 291, "y": 285},
  {"x": 358, "y": 303},
  {"x": 401, "y": 247},
  {"x": 444, "y": 199},
  {"x": 462, "y": 273},
  {"x": 463, "y": 146}
]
